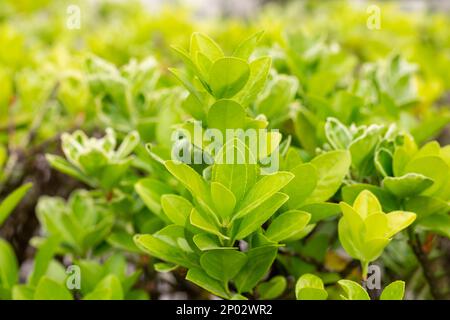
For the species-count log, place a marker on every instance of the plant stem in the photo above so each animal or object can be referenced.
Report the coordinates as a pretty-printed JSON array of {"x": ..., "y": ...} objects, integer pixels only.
[{"x": 416, "y": 246}]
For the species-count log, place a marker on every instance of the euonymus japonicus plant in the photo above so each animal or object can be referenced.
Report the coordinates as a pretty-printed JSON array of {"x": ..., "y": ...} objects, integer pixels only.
[
  {"x": 227, "y": 231},
  {"x": 48, "y": 277},
  {"x": 388, "y": 162},
  {"x": 365, "y": 230},
  {"x": 97, "y": 162},
  {"x": 331, "y": 182}
]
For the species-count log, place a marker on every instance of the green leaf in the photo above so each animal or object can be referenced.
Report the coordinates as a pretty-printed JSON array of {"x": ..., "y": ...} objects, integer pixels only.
[
  {"x": 331, "y": 168},
  {"x": 56, "y": 271},
  {"x": 22, "y": 292},
  {"x": 349, "y": 231},
  {"x": 394, "y": 291},
  {"x": 92, "y": 161},
  {"x": 223, "y": 265},
  {"x": 201, "y": 221},
  {"x": 48, "y": 289},
  {"x": 302, "y": 185},
  {"x": 262, "y": 190},
  {"x": 362, "y": 150},
  {"x": 137, "y": 294},
  {"x": 310, "y": 287},
  {"x": 189, "y": 178},
  {"x": 430, "y": 126},
  {"x": 183, "y": 79},
  {"x": 150, "y": 190},
  {"x": 258, "y": 263},
  {"x": 228, "y": 76},
  {"x": 321, "y": 211},
  {"x": 402, "y": 155},
  {"x": 166, "y": 249},
  {"x": 223, "y": 199},
  {"x": 205, "y": 241},
  {"x": 128, "y": 144},
  {"x": 372, "y": 249},
  {"x": 109, "y": 288},
  {"x": 410, "y": 184},
  {"x": 122, "y": 240},
  {"x": 254, "y": 219},
  {"x": 226, "y": 114},
  {"x": 238, "y": 297},
  {"x": 200, "y": 278},
  {"x": 43, "y": 258},
  {"x": 272, "y": 288},
  {"x": 387, "y": 200},
  {"x": 353, "y": 290},
  {"x": 247, "y": 46},
  {"x": 188, "y": 60},
  {"x": 425, "y": 206},
  {"x": 367, "y": 204},
  {"x": 383, "y": 162},
  {"x": 398, "y": 220},
  {"x": 202, "y": 43},
  {"x": 337, "y": 134},
  {"x": 268, "y": 143},
  {"x": 287, "y": 225},
  {"x": 204, "y": 64},
  {"x": 9, "y": 268},
  {"x": 437, "y": 223},
  {"x": 176, "y": 208},
  {"x": 236, "y": 177},
  {"x": 97, "y": 233},
  {"x": 92, "y": 272},
  {"x": 432, "y": 167},
  {"x": 113, "y": 173},
  {"x": 164, "y": 267},
  {"x": 259, "y": 70},
  {"x": 11, "y": 201},
  {"x": 3, "y": 156},
  {"x": 64, "y": 166},
  {"x": 277, "y": 97},
  {"x": 194, "y": 106},
  {"x": 306, "y": 125}
]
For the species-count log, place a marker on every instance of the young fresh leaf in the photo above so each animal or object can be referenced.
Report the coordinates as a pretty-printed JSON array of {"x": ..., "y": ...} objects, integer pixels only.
[
  {"x": 410, "y": 184},
  {"x": 247, "y": 46},
  {"x": 287, "y": 224},
  {"x": 176, "y": 208},
  {"x": 331, "y": 168},
  {"x": 353, "y": 290},
  {"x": 9, "y": 269},
  {"x": 48, "y": 289},
  {"x": 228, "y": 76},
  {"x": 394, "y": 291},
  {"x": 202, "y": 279},
  {"x": 310, "y": 287},
  {"x": 226, "y": 114},
  {"x": 223, "y": 265},
  {"x": 255, "y": 218},
  {"x": 262, "y": 190},
  {"x": 11, "y": 201},
  {"x": 272, "y": 288},
  {"x": 258, "y": 263}
]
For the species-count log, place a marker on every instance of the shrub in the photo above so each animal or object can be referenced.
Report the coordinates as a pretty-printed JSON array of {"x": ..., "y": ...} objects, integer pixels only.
[{"x": 334, "y": 164}]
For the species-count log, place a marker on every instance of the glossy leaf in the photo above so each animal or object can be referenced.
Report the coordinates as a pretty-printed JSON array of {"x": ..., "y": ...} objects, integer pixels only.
[{"x": 228, "y": 76}]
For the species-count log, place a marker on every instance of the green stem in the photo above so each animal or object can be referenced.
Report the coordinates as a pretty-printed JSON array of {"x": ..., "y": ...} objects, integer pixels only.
[{"x": 365, "y": 269}]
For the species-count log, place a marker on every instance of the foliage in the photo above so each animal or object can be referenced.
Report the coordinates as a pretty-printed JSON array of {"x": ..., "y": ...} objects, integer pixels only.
[{"x": 351, "y": 165}]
